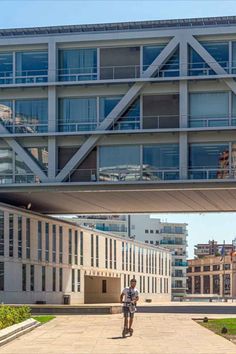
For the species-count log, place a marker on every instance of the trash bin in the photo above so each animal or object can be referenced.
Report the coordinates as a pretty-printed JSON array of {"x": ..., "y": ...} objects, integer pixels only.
[{"x": 66, "y": 299}]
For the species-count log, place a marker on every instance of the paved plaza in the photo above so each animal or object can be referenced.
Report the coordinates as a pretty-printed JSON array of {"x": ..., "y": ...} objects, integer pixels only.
[{"x": 154, "y": 333}]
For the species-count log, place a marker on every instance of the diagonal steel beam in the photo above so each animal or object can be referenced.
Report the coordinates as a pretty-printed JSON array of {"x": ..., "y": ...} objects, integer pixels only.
[
  {"x": 208, "y": 58},
  {"x": 28, "y": 160},
  {"x": 120, "y": 108}
]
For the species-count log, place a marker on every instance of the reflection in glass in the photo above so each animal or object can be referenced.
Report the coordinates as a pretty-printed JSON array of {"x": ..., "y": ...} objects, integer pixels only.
[
  {"x": 40, "y": 155},
  {"x": 209, "y": 109},
  {"x": 6, "y": 114},
  {"x": 208, "y": 161},
  {"x": 171, "y": 67},
  {"x": 161, "y": 162},
  {"x": 31, "y": 116},
  {"x": 197, "y": 66},
  {"x": 106, "y": 105},
  {"x": 219, "y": 51},
  {"x": 77, "y": 64},
  {"x": 31, "y": 67},
  {"x": 119, "y": 163},
  {"x": 77, "y": 114},
  {"x": 150, "y": 53},
  {"x": 6, "y": 68},
  {"x": 6, "y": 166}
]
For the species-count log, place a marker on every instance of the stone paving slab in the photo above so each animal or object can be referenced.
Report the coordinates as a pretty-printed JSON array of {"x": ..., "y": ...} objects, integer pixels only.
[{"x": 154, "y": 333}]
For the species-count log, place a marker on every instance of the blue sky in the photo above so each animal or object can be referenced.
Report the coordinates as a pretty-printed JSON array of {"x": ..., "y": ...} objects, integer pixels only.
[
  {"x": 19, "y": 13},
  {"x": 32, "y": 13}
]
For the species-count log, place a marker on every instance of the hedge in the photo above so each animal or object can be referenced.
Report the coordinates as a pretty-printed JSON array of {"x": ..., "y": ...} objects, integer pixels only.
[{"x": 12, "y": 315}]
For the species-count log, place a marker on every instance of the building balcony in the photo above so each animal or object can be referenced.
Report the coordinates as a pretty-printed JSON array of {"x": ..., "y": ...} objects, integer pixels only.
[{"x": 180, "y": 264}]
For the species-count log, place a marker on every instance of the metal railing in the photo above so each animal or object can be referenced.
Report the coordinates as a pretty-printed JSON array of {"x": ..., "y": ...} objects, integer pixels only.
[
  {"x": 213, "y": 121},
  {"x": 112, "y": 72},
  {"x": 211, "y": 173},
  {"x": 24, "y": 128},
  {"x": 11, "y": 178}
]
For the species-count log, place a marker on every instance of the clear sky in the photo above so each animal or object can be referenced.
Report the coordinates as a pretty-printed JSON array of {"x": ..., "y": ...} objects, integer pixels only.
[
  {"x": 32, "y": 13},
  {"x": 21, "y": 13}
]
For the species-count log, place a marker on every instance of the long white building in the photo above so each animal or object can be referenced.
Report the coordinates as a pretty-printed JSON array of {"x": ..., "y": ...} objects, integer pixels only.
[{"x": 44, "y": 259}]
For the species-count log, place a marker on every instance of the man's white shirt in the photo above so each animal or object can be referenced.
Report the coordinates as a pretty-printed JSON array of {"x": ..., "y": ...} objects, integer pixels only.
[{"x": 130, "y": 294}]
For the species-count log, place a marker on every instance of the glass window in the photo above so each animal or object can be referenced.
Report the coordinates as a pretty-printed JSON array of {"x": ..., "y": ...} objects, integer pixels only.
[
  {"x": 22, "y": 172},
  {"x": 54, "y": 243},
  {"x": 78, "y": 280},
  {"x": 47, "y": 242},
  {"x": 6, "y": 68},
  {"x": 31, "y": 67},
  {"x": 54, "y": 270},
  {"x": 73, "y": 280},
  {"x": 125, "y": 165},
  {"x": 197, "y": 65},
  {"x": 60, "y": 244},
  {"x": 81, "y": 248},
  {"x": 31, "y": 116},
  {"x": 106, "y": 253},
  {"x": 208, "y": 161},
  {"x": 60, "y": 279},
  {"x": 92, "y": 250},
  {"x": 208, "y": 109},
  {"x": 40, "y": 155},
  {"x": 6, "y": 113},
  {"x": 1, "y": 276},
  {"x": 160, "y": 157},
  {"x": 97, "y": 251},
  {"x": 219, "y": 51},
  {"x": 28, "y": 238},
  {"x": 70, "y": 247},
  {"x": 23, "y": 277},
  {"x": 39, "y": 241},
  {"x": 43, "y": 278},
  {"x": 19, "y": 236},
  {"x": 150, "y": 53},
  {"x": 234, "y": 58},
  {"x": 31, "y": 277},
  {"x": 77, "y": 114},
  {"x": 11, "y": 235},
  {"x": 6, "y": 166},
  {"x": 171, "y": 68},
  {"x": 76, "y": 248},
  {"x": 110, "y": 253},
  {"x": 77, "y": 64},
  {"x": 114, "y": 254},
  {"x": 129, "y": 120}
]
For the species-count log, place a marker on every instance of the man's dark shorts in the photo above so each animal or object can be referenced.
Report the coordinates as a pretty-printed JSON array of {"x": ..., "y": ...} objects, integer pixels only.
[{"x": 127, "y": 312}]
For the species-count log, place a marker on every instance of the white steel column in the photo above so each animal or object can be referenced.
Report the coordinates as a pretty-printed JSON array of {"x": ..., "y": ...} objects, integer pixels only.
[{"x": 52, "y": 110}]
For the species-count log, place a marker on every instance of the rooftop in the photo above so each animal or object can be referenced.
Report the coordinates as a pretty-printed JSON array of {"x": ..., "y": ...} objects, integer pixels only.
[{"x": 120, "y": 26}]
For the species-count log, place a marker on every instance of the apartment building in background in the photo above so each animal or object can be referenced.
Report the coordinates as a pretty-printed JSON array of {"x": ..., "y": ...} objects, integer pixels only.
[{"x": 213, "y": 248}]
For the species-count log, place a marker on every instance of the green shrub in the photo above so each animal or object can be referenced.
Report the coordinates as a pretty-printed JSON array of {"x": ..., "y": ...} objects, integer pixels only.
[{"x": 12, "y": 315}]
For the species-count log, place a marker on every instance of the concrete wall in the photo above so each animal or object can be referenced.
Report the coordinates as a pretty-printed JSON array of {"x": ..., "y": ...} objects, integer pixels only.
[{"x": 93, "y": 290}]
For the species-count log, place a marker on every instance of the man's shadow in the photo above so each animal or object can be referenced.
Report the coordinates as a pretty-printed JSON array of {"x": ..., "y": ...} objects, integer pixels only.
[{"x": 120, "y": 337}]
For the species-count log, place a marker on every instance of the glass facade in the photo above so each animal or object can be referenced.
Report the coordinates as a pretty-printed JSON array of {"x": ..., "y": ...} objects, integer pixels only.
[
  {"x": 28, "y": 243},
  {"x": 1, "y": 276},
  {"x": 31, "y": 116},
  {"x": 77, "y": 64},
  {"x": 208, "y": 161},
  {"x": 170, "y": 68},
  {"x": 31, "y": 67},
  {"x": 77, "y": 114},
  {"x": 161, "y": 162},
  {"x": 208, "y": 109},
  {"x": 6, "y": 68},
  {"x": 125, "y": 166}
]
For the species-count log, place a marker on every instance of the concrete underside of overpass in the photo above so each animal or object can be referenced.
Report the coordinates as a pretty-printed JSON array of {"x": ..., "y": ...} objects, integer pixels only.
[{"x": 219, "y": 196}]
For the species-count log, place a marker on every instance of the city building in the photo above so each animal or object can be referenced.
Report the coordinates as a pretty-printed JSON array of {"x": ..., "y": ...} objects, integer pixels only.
[
  {"x": 44, "y": 259},
  {"x": 213, "y": 248},
  {"x": 212, "y": 275},
  {"x": 153, "y": 231},
  {"x": 135, "y": 117}
]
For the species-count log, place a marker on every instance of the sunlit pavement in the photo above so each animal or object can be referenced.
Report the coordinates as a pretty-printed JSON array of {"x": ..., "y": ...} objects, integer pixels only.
[{"x": 153, "y": 333}]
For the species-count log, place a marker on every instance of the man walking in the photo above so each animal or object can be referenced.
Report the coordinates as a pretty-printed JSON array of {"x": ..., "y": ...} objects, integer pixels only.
[{"x": 131, "y": 296}]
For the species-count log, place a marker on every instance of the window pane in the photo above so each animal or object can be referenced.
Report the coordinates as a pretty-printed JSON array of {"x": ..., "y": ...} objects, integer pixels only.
[
  {"x": 209, "y": 109},
  {"x": 40, "y": 155},
  {"x": 125, "y": 165},
  {"x": 77, "y": 64},
  {"x": 6, "y": 68},
  {"x": 77, "y": 114},
  {"x": 161, "y": 157},
  {"x": 106, "y": 105},
  {"x": 214, "y": 157},
  {"x": 219, "y": 51},
  {"x": 6, "y": 166},
  {"x": 31, "y": 116},
  {"x": 150, "y": 53},
  {"x": 6, "y": 115},
  {"x": 30, "y": 66}
]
